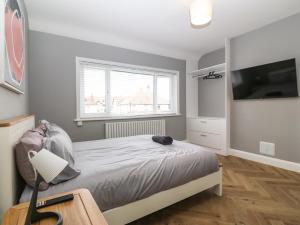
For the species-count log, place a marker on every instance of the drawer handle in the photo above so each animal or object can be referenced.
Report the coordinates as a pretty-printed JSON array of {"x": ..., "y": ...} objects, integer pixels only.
[
  {"x": 203, "y": 135},
  {"x": 202, "y": 121}
]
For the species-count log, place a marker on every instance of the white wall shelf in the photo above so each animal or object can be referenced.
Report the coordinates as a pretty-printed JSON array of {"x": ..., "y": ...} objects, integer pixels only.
[{"x": 219, "y": 69}]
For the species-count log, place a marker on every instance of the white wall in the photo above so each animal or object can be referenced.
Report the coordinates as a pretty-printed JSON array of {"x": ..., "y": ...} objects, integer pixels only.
[{"x": 191, "y": 89}]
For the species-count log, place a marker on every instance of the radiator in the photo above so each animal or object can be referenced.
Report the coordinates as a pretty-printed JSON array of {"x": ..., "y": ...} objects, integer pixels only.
[{"x": 133, "y": 128}]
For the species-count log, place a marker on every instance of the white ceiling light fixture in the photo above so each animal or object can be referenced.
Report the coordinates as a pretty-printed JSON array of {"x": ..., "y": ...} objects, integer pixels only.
[{"x": 201, "y": 12}]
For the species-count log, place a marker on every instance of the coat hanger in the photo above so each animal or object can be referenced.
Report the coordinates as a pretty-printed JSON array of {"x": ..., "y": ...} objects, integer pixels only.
[{"x": 212, "y": 75}]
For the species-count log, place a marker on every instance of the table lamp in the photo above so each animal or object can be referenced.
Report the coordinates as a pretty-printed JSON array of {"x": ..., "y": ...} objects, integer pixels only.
[{"x": 47, "y": 166}]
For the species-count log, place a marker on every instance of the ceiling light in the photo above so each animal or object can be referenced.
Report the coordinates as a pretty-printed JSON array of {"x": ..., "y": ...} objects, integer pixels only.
[{"x": 201, "y": 12}]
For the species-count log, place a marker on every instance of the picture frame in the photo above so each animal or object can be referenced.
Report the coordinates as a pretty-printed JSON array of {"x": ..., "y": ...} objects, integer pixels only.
[{"x": 12, "y": 46}]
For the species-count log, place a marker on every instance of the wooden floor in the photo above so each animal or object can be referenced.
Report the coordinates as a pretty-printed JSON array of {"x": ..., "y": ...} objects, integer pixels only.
[{"x": 253, "y": 194}]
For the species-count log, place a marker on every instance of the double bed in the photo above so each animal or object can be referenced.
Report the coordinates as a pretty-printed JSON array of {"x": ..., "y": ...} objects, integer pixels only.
[{"x": 132, "y": 177}]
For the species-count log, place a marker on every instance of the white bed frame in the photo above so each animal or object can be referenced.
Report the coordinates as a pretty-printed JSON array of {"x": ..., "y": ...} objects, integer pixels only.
[
  {"x": 135, "y": 210},
  {"x": 12, "y": 130}
]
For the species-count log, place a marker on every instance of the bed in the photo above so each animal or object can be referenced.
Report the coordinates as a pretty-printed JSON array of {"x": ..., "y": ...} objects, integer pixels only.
[{"x": 133, "y": 177}]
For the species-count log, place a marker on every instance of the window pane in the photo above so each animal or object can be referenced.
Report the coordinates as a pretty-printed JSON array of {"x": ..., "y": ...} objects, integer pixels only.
[
  {"x": 94, "y": 90},
  {"x": 131, "y": 93},
  {"x": 163, "y": 94}
]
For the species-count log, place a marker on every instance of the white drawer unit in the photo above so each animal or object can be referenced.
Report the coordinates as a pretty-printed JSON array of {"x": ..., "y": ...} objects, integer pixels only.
[
  {"x": 208, "y": 132},
  {"x": 206, "y": 139},
  {"x": 206, "y": 125}
]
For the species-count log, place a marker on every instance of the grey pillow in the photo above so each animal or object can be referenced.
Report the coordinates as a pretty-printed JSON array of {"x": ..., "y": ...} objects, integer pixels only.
[
  {"x": 31, "y": 140},
  {"x": 58, "y": 142}
]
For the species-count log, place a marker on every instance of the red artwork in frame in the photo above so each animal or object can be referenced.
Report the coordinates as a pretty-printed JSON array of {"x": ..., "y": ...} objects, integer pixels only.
[{"x": 13, "y": 68}]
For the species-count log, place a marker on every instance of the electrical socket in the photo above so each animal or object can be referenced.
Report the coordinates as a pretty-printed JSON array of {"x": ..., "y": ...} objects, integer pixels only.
[{"x": 267, "y": 148}]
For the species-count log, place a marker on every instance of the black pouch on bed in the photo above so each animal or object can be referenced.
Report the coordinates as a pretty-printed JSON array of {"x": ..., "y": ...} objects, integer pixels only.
[{"x": 164, "y": 140}]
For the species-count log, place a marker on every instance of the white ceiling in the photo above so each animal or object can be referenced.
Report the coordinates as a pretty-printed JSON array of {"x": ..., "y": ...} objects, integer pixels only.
[{"x": 156, "y": 26}]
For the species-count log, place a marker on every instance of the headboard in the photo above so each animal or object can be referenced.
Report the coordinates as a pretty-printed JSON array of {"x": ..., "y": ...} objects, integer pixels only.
[{"x": 10, "y": 132}]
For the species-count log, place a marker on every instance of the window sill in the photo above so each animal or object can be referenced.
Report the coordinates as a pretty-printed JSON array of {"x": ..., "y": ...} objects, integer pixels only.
[{"x": 80, "y": 120}]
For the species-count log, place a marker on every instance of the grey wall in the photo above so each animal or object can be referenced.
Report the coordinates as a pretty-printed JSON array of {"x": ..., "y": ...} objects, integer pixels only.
[
  {"x": 276, "y": 121},
  {"x": 211, "y": 99},
  {"x": 11, "y": 103},
  {"x": 53, "y": 78}
]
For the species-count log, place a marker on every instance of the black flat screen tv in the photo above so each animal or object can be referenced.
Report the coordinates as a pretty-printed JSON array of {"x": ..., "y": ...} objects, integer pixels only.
[{"x": 273, "y": 80}]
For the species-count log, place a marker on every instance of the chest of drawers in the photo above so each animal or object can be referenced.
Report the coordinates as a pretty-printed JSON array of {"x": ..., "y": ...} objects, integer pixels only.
[{"x": 208, "y": 132}]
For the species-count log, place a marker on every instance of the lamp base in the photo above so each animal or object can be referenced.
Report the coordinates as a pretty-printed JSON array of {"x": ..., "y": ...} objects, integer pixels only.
[
  {"x": 33, "y": 215},
  {"x": 37, "y": 216}
]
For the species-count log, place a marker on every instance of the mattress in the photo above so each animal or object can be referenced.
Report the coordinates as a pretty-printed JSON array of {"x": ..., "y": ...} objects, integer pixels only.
[{"x": 122, "y": 170}]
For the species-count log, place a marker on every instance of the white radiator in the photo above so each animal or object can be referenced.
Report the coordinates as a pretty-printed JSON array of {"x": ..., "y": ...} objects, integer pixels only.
[{"x": 132, "y": 128}]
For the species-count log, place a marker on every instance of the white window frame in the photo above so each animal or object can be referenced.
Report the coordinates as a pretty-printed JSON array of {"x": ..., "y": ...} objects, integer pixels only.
[{"x": 108, "y": 65}]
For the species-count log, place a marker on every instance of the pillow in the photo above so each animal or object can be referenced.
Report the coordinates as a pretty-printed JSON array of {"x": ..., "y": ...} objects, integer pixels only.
[
  {"x": 31, "y": 140},
  {"x": 58, "y": 142}
]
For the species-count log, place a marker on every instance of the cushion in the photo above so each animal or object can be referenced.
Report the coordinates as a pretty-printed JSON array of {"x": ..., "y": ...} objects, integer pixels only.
[
  {"x": 31, "y": 140},
  {"x": 58, "y": 142}
]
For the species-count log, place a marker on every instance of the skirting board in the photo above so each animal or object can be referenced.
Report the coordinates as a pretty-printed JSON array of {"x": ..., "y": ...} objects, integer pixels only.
[{"x": 283, "y": 164}]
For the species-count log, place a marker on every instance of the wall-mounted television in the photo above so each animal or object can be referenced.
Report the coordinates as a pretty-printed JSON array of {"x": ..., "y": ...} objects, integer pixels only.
[{"x": 273, "y": 80}]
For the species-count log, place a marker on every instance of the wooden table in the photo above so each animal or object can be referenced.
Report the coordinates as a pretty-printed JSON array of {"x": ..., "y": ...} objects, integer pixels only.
[{"x": 83, "y": 210}]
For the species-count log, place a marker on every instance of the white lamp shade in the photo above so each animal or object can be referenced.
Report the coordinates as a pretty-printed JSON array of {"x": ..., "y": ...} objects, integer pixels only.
[
  {"x": 47, "y": 164},
  {"x": 201, "y": 12}
]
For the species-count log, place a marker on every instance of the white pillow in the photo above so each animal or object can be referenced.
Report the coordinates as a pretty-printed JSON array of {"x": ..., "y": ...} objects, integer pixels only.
[{"x": 58, "y": 142}]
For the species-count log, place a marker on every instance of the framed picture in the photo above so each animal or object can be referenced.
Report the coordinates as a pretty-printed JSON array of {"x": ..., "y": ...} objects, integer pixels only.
[{"x": 12, "y": 46}]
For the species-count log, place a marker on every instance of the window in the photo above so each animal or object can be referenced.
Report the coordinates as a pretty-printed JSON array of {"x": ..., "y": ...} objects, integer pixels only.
[
  {"x": 93, "y": 90},
  {"x": 163, "y": 94},
  {"x": 108, "y": 90},
  {"x": 131, "y": 93}
]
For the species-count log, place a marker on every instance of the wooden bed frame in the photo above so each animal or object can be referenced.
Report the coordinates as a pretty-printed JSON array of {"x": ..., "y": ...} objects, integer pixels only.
[{"x": 12, "y": 130}]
